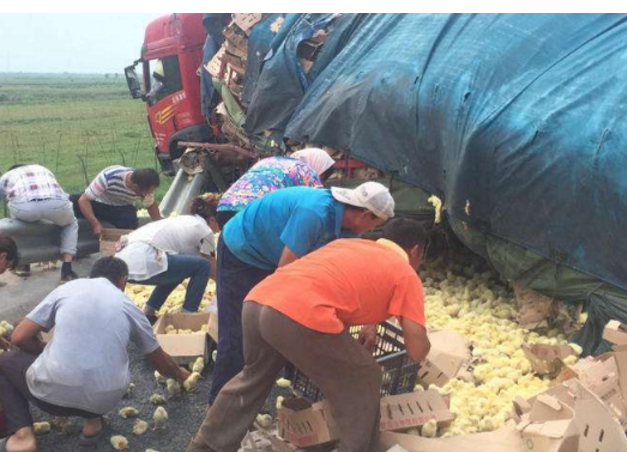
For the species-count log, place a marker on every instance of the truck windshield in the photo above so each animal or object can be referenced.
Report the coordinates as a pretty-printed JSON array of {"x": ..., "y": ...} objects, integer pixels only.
[{"x": 165, "y": 78}]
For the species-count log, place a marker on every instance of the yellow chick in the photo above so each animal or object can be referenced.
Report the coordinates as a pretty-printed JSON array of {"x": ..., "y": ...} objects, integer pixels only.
[
  {"x": 160, "y": 417},
  {"x": 160, "y": 379},
  {"x": 430, "y": 429},
  {"x": 264, "y": 420},
  {"x": 157, "y": 399},
  {"x": 173, "y": 387},
  {"x": 283, "y": 383},
  {"x": 140, "y": 427},
  {"x": 191, "y": 381},
  {"x": 119, "y": 442},
  {"x": 41, "y": 428},
  {"x": 128, "y": 411},
  {"x": 198, "y": 365}
]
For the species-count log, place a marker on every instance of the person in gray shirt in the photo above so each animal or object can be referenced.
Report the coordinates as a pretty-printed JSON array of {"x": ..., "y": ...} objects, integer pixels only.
[{"x": 84, "y": 369}]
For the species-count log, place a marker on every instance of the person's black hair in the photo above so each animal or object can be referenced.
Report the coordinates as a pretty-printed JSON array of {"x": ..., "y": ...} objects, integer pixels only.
[
  {"x": 405, "y": 233},
  {"x": 8, "y": 245},
  {"x": 326, "y": 174},
  {"x": 206, "y": 206},
  {"x": 109, "y": 267},
  {"x": 145, "y": 178},
  {"x": 17, "y": 165}
]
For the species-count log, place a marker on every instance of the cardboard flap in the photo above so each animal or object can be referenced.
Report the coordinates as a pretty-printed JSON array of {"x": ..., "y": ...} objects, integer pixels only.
[
  {"x": 308, "y": 427},
  {"x": 548, "y": 408},
  {"x": 615, "y": 332},
  {"x": 449, "y": 353},
  {"x": 547, "y": 359},
  {"x": 246, "y": 21},
  {"x": 505, "y": 439},
  {"x": 400, "y": 412},
  {"x": 534, "y": 307}
]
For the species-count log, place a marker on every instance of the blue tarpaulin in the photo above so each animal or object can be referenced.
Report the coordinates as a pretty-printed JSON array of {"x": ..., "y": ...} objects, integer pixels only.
[{"x": 515, "y": 120}]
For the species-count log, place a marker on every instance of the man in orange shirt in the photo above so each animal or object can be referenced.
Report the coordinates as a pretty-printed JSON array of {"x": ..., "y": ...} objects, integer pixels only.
[{"x": 301, "y": 314}]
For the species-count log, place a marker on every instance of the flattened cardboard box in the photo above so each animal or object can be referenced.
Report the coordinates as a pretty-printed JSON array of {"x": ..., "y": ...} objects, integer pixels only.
[
  {"x": 400, "y": 412},
  {"x": 615, "y": 332},
  {"x": 448, "y": 358},
  {"x": 109, "y": 240},
  {"x": 183, "y": 347}
]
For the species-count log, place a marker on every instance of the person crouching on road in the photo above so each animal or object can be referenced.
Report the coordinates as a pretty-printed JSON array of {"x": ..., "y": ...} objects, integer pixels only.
[
  {"x": 112, "y": 194},
  {"x": 35, "y": 195},
  {"x": 272, "y": 232},
  {"x": 302, "y": 313},
  {"x": 166, "y": 252},
  {"x": 84, "y": 370},
  {"x": 305, "y": 168}
]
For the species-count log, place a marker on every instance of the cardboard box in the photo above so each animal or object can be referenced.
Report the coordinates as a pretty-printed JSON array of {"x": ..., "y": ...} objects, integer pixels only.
[
  {"x": 449, "y": 356},
  {"x": 505, "y": 439},
  {"x": 307, "y": 427},
  {"x": 547, "y": 359},
  {"x": 549, "y": 426},
  {"x": 602, "y": 377},
  {"x": 109, "y": 240},
  {"x": 183, "y": 347},
  {"x": 615, "y": 332},
  {"x": 534, "y": 308},
  {"x": 400, "y": 412}
]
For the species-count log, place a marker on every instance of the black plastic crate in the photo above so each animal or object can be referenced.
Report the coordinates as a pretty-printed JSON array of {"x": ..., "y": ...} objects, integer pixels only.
[{"x": 399, "y": 372}]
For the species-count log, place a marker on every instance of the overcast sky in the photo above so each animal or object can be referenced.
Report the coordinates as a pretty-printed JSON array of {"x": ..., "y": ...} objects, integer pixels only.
[{"x": 85, "y": 43}]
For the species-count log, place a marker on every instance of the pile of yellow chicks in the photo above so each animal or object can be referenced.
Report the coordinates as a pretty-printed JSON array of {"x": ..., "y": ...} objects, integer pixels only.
[
  {"x": 483, "y": 309},
  {"x": 140, "y": 294}
]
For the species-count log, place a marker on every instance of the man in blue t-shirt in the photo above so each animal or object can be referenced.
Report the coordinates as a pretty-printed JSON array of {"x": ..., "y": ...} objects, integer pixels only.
[{"x": 272, "y": 232}]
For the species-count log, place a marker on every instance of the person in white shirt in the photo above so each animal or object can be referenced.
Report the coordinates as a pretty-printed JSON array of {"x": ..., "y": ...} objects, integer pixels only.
[
  {"x": 166, "y": 252},
  {"x": 84, "y": 370}
]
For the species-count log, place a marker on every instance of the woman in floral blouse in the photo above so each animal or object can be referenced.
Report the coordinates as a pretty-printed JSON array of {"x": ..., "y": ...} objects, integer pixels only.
[{"x": 309, "y": 168}]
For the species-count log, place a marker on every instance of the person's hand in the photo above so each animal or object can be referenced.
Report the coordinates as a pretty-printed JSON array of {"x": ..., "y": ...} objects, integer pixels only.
[
  {"x": 4, "y": 343},
  {"x": 368, "y": 337},
  {"x": 97, "y": 229},
  {"x": 184, "y": 374}
]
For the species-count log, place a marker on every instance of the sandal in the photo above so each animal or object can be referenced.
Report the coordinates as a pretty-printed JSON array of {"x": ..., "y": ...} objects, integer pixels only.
[{"x": 85, "y": 440}]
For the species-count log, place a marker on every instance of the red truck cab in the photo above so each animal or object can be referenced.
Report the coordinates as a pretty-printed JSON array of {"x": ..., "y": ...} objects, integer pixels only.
[{"x": 171, "y": 57}]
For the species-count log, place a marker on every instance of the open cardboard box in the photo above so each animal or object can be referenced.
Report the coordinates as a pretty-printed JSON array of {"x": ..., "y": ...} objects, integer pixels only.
[
  {"x": 109, "y": 240},
  {"x": 448, "y": 358},
  {"x": 605, "y": 377},
  {"x": 403, "y": 411},
  {"x": 305, "y": 425},
  {"x": 183, "y": 347},
  {"x": 505, "y": 439}
]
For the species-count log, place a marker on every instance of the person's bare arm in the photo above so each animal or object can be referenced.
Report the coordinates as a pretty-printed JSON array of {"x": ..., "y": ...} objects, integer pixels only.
[
  {"x": 214, "y": 266},
  {"x": 154, "y": 212},
  {"x": 26, "y": 337},
  {"x": 166, "y": 366},
  {"x": 416, "y": 340},
  {"x": 287, "y": 257},
  {"x": 84, "y": 203},
  {"x": 368, "y": 337}
]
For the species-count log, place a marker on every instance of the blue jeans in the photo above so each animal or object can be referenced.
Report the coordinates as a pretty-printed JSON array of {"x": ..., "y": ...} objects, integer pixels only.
[
  {"x": 180, "y": 267},
  {"x": 234, "y": 280}
]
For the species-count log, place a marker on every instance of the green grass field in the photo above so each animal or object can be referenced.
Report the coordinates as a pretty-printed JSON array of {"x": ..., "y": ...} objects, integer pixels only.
[{"x": 75, "y": 125}]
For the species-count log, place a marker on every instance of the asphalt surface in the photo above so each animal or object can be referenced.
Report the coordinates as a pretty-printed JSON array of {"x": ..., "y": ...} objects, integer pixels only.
[{"x": 185, "y": 413}]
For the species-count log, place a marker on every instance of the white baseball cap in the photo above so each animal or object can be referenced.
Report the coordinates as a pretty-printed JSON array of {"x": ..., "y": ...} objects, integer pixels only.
[{"x": 370, "y": 195}]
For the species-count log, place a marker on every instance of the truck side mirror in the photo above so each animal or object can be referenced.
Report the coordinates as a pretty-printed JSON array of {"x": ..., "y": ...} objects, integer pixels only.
[{"x": 133, "y": 83}]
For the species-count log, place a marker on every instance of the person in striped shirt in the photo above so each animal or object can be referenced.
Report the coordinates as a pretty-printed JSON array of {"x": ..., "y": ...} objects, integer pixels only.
[{"x": 112, "y": 194}]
